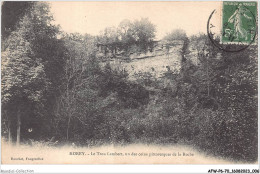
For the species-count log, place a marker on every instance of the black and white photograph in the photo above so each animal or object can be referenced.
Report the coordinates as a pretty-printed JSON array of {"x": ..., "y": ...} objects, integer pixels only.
[{"x": 129, "y": 82}]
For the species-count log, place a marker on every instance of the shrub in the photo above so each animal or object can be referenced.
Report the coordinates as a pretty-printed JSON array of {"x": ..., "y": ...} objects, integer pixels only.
[{"x": 224, "y": 134}]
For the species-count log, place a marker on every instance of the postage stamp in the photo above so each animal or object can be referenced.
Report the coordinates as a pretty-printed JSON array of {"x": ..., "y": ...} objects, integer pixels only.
[{"x": 239, "y": 22}]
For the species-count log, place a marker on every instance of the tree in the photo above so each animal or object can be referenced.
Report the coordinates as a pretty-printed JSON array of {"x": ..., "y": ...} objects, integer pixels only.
[
  {"x": 137, "y": 35},
  {"x": 23, "y": 76},
  {"x": 31, "y": 66},
  {"x": 109, "y": 36},
  {"x": 75, "y": 105},
  {"x": 143, "y": 32},
  {"x": 126, "y": 33},
  {"x": 12, "y": 12},
  {"x": 220, "y": 98},
  {"x": 177, "y": 34}
]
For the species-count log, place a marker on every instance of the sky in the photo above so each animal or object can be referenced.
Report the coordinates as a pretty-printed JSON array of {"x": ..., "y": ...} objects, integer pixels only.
[{"x": 92, "y": 17}]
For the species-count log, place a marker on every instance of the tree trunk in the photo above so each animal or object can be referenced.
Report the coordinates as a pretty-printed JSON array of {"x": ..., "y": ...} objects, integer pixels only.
[
  {"x": 68, "y": 126},
  {"x": 68, "y": 111},
  {"x": 208, "y": 75},
  {"x": 18, "y": 127},
  {"x": 9, "y": 132}
]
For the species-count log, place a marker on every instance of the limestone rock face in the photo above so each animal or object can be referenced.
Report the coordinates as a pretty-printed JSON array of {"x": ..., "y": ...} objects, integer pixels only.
[{"x": 156, "y": 63}]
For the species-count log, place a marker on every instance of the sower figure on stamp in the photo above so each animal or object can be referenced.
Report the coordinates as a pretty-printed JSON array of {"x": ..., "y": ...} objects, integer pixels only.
[{"x": 236, "y": 18}]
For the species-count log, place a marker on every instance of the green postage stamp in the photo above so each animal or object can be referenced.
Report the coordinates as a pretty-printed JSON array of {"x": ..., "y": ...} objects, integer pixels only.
[{"x": 239, "y": 22}]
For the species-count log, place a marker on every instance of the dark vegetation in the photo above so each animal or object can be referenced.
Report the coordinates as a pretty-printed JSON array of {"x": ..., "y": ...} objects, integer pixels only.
[
  {"x": 129, "y": 37},
  {"x": 56, "y": 89}
]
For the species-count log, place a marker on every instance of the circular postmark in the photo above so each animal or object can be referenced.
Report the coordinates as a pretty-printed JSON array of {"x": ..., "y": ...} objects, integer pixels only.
[{"x": 237, "y": 30}]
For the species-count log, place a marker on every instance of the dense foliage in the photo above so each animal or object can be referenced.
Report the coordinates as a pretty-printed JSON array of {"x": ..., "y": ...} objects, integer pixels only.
[{"x": 136, "y": 36}]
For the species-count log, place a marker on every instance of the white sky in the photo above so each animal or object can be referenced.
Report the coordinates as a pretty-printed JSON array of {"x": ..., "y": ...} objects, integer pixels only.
[{"x": 92, "y": 17}]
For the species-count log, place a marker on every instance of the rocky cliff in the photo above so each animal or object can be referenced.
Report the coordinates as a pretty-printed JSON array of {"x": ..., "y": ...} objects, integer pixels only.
[{"x": 156, "y": 63}]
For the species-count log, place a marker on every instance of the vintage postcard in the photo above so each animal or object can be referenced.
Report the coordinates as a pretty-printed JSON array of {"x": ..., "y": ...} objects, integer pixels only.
[{"x": 153, "y": 82}]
